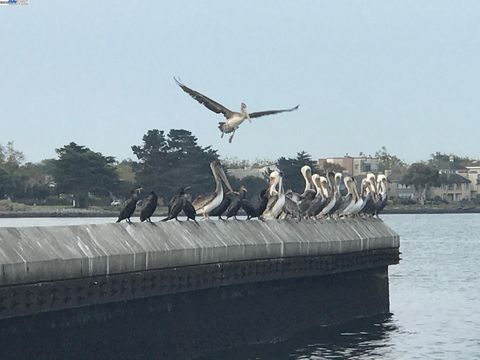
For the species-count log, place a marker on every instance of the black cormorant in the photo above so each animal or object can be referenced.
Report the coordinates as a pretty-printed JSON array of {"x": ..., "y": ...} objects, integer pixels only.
[
  {"x": 236, "y": 203},
  {"x": 149, "y": 208},
  {"x": 129, "y": 206}
]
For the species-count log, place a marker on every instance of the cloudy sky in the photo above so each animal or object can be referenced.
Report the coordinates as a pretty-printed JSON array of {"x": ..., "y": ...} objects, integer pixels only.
[{"x": 404, "y": 74}]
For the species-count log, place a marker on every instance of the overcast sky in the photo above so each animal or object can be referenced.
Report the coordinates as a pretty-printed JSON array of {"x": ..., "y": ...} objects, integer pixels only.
[{"x": 404, "y": 74}]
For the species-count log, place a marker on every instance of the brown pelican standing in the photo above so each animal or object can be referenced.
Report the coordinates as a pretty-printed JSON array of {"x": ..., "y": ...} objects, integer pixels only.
[
  {"x": 276, "y": 199},
  {"x": 320, "y": 200},
  {"x": 349, "y": 200},
  {"x": 354, "y": 210},
  {"x": 204, "y": 204},
  {"x": 234, "y": 119},
  {"x": 382, "y": 192}
]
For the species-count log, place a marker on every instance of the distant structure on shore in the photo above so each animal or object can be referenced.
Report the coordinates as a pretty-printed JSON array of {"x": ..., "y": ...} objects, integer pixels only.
[{"x": 353, "y": 165}]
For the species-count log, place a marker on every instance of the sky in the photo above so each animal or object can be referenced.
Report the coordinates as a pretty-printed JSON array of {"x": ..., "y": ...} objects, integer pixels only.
[{"x": 367, "y": 74}]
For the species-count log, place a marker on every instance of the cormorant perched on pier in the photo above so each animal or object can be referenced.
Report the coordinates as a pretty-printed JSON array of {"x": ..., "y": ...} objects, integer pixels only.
[
  {"x": 149, "y": 208},
  {"x": 236, "y": 203},
  {"x": 129, "y": 206},
  {"x": 256, "y": 208},
  {"x": 189, "y": 210},
  {"x": 178, "y": 203},
  {"x": 220, "y": 209}
]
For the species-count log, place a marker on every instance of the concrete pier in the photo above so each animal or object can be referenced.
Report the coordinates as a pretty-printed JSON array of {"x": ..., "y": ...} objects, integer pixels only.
[{"x": 180, "y": 290}]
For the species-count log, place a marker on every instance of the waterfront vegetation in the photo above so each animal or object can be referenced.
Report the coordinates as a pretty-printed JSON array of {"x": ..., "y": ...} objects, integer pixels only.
[{"x": 79, "y": 177}]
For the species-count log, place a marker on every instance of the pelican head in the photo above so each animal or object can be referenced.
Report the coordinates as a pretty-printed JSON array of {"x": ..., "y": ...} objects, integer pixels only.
[
  {"x": 324, "y": 184},
  {"x": 307, "y": 175},
  {"x": 382, "y": 183},
  {"x": 371, "y": 178},
  {"x": 347, "y": 181},
  {"x": 243, "y": 110},
  {"x": 217, "y": 171},
  {"x": 317, "y": 183},
  {"x": 365, "y": 187},
  {"x": 274, "y": 179},
  {"x": 338, "y": 179}
]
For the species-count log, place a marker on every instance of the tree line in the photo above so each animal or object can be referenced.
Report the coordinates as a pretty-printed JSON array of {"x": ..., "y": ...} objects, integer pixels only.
[{"x": 164, "y": 162}]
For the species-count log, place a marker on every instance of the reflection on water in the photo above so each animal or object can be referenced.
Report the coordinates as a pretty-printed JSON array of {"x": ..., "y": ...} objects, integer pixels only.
[
  {"x": 434, "y": 298},
  {"x": 360, "y": 339}
]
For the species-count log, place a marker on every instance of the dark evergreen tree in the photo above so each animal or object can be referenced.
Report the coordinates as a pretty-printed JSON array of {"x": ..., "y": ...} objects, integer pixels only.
[
  {"x": 81, "y": 171},
  {"x": 168, "y": 162},
  {"x": 290, "y": 167}
]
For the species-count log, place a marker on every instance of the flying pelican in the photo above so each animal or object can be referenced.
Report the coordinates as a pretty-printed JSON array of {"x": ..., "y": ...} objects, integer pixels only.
[
  {"x": 276, "y": 199},
  {"x": 234, "y": 119},
  {"x": 129, "y": 206},
  {"x": 204, "y": 204}
]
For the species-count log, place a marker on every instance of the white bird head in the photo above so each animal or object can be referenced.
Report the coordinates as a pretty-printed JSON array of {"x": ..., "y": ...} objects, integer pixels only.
[
  {"x": 274, "y": 179},
  {"x": 243, "y": 110}
]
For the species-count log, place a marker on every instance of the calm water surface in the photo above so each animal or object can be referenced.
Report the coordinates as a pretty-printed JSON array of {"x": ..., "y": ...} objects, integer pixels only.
[{"x": 434, "y": 297}]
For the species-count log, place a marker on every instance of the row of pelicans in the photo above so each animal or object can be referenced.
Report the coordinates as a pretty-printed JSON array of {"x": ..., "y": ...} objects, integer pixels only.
[{"x": 320, "y": 199}]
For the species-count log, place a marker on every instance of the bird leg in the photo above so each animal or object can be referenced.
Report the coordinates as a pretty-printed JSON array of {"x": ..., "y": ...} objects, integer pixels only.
[{"x": 231, "y": 137}]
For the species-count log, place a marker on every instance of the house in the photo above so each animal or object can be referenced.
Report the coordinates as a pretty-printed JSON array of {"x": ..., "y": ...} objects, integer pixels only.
[
  {"x": 454, "y": 183},
  {"x": 452, "y": 187},
  {"x": 259, "y": 172},
  {"x": 353, "y": 165},
  {"x": 396, "y": 188}
]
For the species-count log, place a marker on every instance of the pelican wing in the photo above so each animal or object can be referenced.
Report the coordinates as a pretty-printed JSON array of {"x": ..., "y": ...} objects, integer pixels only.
[
  {"x": 203, "y": 200},
  {"x": 206, "y": 101},
  {"x": 270, "y": 112}
]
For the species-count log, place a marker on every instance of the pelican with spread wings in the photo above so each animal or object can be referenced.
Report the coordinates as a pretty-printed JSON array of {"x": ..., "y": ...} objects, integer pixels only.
[{"x": 234, "y": 119}]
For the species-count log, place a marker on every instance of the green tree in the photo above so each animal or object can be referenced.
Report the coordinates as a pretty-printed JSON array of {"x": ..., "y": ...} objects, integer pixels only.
[
  {"x": 167, "y": 162},
  {"x": 333, "y": 167},
  {"x": 80, "y": 171},
  {"x": 389, "y": 161},
  {"x": 439, "y": 159},
  {"x": 421, "y": 176},
  {"x": 254, "y": 185},
  {"x": 290, "y": 167},
  {"x": 6, "y": 185}
]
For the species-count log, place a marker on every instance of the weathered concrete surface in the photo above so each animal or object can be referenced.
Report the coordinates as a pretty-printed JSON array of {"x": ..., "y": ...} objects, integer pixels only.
[
  {"x": 180, "y": 290},
  {"x": 46, "y": 254}
]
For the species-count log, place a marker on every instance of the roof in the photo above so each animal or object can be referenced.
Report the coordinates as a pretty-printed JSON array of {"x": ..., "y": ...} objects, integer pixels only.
[
  {"x": 447, "y": 179},
  {"x": 450, "y": 165}
]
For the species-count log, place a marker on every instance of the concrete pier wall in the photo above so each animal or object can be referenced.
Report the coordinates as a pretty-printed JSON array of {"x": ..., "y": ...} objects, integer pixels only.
[
  {"x": 181, "y": 290},
  {"x": 40, "y": 254}
]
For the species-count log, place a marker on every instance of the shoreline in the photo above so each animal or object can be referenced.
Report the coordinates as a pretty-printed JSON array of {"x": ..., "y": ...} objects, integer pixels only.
[{"x": 71, "y": 213}]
